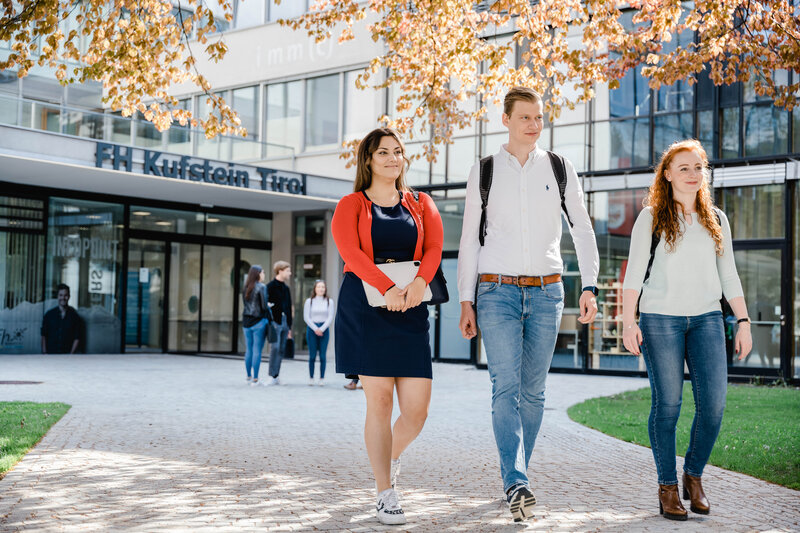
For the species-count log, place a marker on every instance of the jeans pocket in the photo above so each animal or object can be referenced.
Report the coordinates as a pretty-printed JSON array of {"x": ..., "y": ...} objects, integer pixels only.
[
  {"x": 554, "y": 291},
  {"x": 485, "y": 287}
]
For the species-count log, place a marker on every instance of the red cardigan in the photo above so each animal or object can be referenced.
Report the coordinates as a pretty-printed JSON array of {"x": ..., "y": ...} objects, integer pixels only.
[{"x": 352, "y": 232}]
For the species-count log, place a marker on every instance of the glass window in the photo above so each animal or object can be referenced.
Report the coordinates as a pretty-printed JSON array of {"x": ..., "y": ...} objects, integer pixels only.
[
  {"x": 452, "y": 213},
  {"x": 87, "y": 94},
  {"x": 245, "y": 102},
  {"x": 9, "y": 82},
  {"x": 249, "y": 257},
  {"x": 166, "y": 220},
  {"x": 21, "y": 213},
  {"x": 671, "y": 128},
  {"x": 613, "y": 214},
  {"x": 680, "y": 95},
  {"x": 570, "y": 141},
  {"x": 21, "y": 306},
  {"x": 45, "y": 88},
  {"x": 249, "y": 13},
  {"x": 755, "y": 212},
  {"x": 462, "y": 155},
  {"x": 493, "y": 143},
  {"x": 796, "y": 270},
  {"x": 179, "y": 138},
  {"x": 705, "y": 90},
  {"x": 322, "y": 112},
  {"x": 766, "y": 130},
  {"x": 796, "y": 130},
  {"x": 258, "y": 229},
  {"x": 219, "y": 277},
  {"x": 632, "y": 96},
  {"x": 621, "y": 144},
  {"x": 309, "y": 230},
  {"x": 439, "y": 167},
  {"x": 705, "y": 132},
  {"x": 120, "y": 128},
  {"x": 147, "y": 135},
  {"x": 184, "y": 297},
  {"x": 730, "y": 95},
  {"x": 286, "y": 9},
  {"x": 284, "y": 111},
  {"x": 729, "y": 128},
  {"x": 362, "y": 108},
  {"x": 419, "y": 172},
  {"x": 451, "y": 344},
  {"x": 84, "y": 241}
]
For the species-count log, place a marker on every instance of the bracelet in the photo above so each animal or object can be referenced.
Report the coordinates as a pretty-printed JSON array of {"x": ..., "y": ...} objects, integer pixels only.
[{"x": 745, "y": 319}]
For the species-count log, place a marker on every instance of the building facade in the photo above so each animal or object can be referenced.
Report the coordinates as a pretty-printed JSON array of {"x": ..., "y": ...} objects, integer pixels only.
[{"x": 171, "y": 280}]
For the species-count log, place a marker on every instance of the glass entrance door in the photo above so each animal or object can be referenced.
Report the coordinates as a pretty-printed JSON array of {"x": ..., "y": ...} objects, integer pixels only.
[
  {"x": 760, "y": 273},
  {"x": 307, "y": 269},
  {"x": 144, "y": 313},
  {"x": 219, "y": 285},
  {"x": 449, "y": 343},
  {"x": 184, "y": 296}
]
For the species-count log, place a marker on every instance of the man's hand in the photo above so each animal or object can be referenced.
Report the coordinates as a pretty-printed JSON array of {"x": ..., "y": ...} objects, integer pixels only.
[
  {"x": 467, "y": 323},
  {"x": 588, "y": 307},
  {"x": 289, "y": 335}
]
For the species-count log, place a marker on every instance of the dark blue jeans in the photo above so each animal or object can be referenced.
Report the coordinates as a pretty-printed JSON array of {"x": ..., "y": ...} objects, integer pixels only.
[
  {"x": 668, "y": 342},
  {"x": 254, "y": 338},
  {"x": 317, "y": 344}
]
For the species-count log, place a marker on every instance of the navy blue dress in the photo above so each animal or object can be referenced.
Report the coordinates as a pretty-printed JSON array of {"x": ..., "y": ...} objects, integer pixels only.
[{"x": 371, "y": 341}]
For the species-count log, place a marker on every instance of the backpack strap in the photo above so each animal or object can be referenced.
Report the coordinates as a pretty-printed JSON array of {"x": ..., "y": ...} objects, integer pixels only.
[
  {"x": 560, "y": 171},
  {"x": 487, "y": 167}
]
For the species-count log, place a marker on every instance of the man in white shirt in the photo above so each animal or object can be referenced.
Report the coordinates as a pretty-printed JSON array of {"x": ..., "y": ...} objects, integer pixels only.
[{"x": 517, "y": 270}]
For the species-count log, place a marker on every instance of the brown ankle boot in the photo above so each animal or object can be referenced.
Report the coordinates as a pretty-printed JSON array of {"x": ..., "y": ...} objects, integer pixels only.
[
  {"x": 669, "y": 503},
  {"x": 693, "y": 489}
]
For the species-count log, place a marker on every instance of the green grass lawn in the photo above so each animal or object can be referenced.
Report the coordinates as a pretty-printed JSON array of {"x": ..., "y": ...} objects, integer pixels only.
[
  {"x": 22, "y": 426},
  {"x": 760, "y": 433}
]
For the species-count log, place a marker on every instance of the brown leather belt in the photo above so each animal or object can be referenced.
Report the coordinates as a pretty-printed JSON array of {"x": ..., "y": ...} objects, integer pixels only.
[{"x": 522, "y": 281}]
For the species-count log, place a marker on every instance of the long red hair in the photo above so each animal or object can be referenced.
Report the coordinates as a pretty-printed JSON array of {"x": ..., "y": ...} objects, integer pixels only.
[{"x": 665, "y": 207}]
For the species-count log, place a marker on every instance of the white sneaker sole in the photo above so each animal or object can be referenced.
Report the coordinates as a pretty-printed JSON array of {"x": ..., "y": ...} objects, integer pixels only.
[
  {"x": 522, "y": 509},
  {"x": 391, "y": 519}
]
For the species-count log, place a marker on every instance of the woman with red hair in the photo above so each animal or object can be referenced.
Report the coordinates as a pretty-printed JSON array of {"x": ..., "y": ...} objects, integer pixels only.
[{"x": 678, "y": 286}]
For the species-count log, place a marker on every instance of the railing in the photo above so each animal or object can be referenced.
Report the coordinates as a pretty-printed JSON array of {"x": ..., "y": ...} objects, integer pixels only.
[{"x": 77, "y": 122}]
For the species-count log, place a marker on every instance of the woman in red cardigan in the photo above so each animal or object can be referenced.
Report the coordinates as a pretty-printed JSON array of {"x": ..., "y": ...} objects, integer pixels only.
[{"x": 387, "y": 347}]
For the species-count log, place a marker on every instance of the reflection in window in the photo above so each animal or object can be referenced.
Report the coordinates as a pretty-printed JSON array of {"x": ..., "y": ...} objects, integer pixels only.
[
  {"x": 21, "y": 307},
  {"x": 418, "y": 173},
  {"x": 322, "y": 112},
  {"x": 245, "y": 102},
  {"x": 166, "y": 220},
  {"x": 309, "y": 230},
  {"x": 632, "y": 96},
  {"x": 220, "y": 225},
  {"x": 462, "y": 154},
  {"x": 766, "y": 130},
  {"x": 755, "y": 212},
  {"x": 284, "y": 108},
  {"x": 84, "y": 243},
  {"x": 671, "y": 128},
  {"x": 361, "y": 107},
  {"x": 729, "y": 128},
  {"x": 248, "y": 13},
  {"x": 621, "y": 144},
  {"x": 705, "y": 132}
]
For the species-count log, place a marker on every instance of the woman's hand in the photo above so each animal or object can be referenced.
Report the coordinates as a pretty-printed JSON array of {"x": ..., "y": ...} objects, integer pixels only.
[
  {"x": 632, "y": 338},
  {"x": 395, "y": 299},
  {"x": 319, "y": 332},
  {"x": 414, "y": 293},
  {"x": 744, "y": 340}
]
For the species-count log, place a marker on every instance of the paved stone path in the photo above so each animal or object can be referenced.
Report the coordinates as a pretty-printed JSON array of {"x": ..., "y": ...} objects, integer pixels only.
[{"x": 169, "y": 443}]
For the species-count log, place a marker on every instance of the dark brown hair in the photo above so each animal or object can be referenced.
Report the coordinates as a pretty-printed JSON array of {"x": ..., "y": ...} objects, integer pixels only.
[
  {"x": 519, "y": 94},
  {"x": 252, "y": 279},
  {"x": 366, "y": 148},
  {"x": 314, "y": 289}
]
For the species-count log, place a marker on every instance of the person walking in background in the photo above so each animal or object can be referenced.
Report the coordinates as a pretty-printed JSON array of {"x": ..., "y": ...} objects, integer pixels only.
[
  {"x": 318, "y": 315},
  {"x": 387, "y": 347},
  {"x": 280, "y": 303},
  {"x": 510, "y": 257},
  {"x": 255, "y": 319},
  {"x": 353, "y": 383},
  {"x": 61, "y": 325},
  {"x": 680, "y": 264}
]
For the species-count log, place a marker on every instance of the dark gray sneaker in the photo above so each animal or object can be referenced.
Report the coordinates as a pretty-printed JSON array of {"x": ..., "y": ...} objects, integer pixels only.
[{"x": 520, "y": 502}]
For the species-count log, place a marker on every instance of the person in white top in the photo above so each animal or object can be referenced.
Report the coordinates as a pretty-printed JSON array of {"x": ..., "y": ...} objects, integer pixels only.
[
  {"x": 681, "y": 263},
  {"x": 318, "y": 315},
  {"x": 517, "y": 268}
]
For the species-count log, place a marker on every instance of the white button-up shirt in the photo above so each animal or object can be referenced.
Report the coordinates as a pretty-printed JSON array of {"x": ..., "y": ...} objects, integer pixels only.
[{"x": 523, "y": 223}]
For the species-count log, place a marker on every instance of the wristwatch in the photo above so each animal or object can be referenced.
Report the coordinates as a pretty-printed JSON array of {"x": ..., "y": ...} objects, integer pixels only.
[
  {"x": 745, "y": 319},
  {"x": 592, "y": 289}
]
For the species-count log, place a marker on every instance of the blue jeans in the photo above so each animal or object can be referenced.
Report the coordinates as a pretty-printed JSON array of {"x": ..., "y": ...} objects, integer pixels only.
[
  {"x": 519, "y": 326},
  {"x": 278, "y": 348},
  {"x": 254, "y": 337},
  {"x": 317, "y": 344},
  {"x": 668, "y": 342}
]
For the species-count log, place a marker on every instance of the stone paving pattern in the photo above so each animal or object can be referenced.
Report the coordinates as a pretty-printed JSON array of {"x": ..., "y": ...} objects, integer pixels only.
[{"x": 172, "y": 443}]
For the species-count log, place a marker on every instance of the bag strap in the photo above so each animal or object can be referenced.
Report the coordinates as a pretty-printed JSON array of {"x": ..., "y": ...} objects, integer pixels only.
[
  {"x": 560, "y": 171},
  {"x": 487, "y": 168}
]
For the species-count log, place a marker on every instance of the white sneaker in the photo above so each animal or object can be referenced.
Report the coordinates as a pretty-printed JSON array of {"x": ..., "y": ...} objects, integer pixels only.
[
  {"x": 311, "y": 382},
  {"x": 321, "y": 382},
  {"x": 253, "y": 382},
  {"x": 274, "y": 382},
  {"x": 249, "y": 379},
  {"x": 395, "y": 472},
  {"x": 388, "y": 508}
]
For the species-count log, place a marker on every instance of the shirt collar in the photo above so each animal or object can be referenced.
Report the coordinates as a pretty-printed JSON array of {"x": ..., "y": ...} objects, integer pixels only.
[{"x": 534, "y": 154}]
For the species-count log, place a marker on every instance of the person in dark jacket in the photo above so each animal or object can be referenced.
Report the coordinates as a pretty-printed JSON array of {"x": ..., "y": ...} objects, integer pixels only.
[
  {"x": 255, "y": 320},
  {"x": 61, "y": 326},
  {"x": 280, "y": 303}
]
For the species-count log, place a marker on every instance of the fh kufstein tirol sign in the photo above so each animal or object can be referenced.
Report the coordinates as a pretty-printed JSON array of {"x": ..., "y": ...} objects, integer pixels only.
[{"x": 201, "y": 170}]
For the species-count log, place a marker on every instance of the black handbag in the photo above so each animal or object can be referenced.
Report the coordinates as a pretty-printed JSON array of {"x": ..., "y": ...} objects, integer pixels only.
[{"x": 438, "y": 287}]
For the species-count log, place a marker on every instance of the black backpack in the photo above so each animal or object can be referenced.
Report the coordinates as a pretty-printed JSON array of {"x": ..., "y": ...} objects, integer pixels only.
[{"x": 487, "y": 166}]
